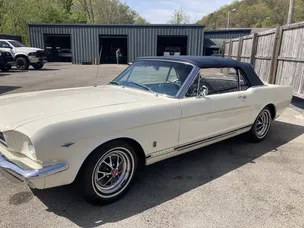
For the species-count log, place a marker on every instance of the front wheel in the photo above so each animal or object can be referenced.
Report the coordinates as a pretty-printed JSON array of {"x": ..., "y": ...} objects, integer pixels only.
[
  {"x": 261, "y": 126},
  {"x": 22, "y": 63},
  {"x": 6, "y": 68},
  {"x": 108, "y": 173},
  {"x": 38, "y": 66}
]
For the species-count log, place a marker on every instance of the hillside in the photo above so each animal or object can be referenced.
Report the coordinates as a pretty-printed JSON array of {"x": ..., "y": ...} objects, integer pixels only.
[{"x": 253, "y": 14}]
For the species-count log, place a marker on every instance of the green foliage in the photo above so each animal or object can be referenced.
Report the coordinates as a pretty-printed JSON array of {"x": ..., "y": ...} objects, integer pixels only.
[
  {"x": 15, "y": 15},
  {"x": 253, "y": 14},
  {"x": 179, "y": 17},
  {"x": 141, "y": 21}
]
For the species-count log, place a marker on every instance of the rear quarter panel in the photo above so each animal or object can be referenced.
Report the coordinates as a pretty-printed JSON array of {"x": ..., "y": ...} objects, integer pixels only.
[{"x": 259, "y": 97}]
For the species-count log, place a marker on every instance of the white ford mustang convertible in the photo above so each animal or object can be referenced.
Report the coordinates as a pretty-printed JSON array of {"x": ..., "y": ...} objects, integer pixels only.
[{"x": 159, "y": 107}]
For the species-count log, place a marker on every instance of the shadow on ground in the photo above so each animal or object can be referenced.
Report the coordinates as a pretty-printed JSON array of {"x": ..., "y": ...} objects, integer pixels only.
[
  {"x": 169, "y": 179},
  {"x": 31, "y": 69},
  {"x": 6, "y": 89},
  {"x": 3, "y": 74}
]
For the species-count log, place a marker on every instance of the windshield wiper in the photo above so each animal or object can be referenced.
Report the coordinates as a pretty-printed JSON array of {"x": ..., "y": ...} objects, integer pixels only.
[
  {"x": 116, "y": 83},
  {"x": 144, "y": 86}
]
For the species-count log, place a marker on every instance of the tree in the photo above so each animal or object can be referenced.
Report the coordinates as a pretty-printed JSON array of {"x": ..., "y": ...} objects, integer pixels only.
[
  {"x": 141, "y": 21},
  {"x": 15, "y": 15},
  {"x": 179, "y": 17},
  {"x": 254, "y": 13}
]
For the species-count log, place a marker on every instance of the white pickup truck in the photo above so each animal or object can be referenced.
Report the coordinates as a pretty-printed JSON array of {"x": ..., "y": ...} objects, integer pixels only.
[{"x": 24, "y": 56}]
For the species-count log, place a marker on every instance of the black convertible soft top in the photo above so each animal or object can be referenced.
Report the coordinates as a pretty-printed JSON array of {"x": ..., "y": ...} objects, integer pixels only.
[{"x": 213, "y": 62}]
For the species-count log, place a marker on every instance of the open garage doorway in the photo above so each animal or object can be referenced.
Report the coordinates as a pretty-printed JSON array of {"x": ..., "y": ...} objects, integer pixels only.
[
  {"x": 172, "y": 45},
  {"x": 109, "y": 46},
  {"x": 58, "y": 48}
]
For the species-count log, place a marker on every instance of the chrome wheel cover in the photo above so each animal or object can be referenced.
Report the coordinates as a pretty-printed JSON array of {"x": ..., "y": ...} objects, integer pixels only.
[
  {"x": 113, "y": 172},
  {"x": 263, "y": 123}
]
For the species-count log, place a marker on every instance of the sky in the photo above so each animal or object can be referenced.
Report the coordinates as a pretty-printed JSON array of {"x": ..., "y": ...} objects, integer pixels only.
[{"x": 160, "y": 11}]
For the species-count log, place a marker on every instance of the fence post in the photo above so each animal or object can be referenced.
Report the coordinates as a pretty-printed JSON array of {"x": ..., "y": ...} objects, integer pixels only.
[
  {"x": 254, "y": 49},
  {"x": 275, "y": 55},
  {"x": 223, "y": 49},
  {"x": 230, "y": 49},
  {"x": 240, "y": 47}
]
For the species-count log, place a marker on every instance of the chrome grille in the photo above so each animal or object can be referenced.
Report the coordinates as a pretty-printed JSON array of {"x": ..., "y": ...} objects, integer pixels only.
[{"x": 2, "y": 140}]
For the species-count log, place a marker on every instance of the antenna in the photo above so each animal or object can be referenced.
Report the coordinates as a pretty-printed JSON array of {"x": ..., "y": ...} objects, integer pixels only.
[{"x": 98, "y": 65}]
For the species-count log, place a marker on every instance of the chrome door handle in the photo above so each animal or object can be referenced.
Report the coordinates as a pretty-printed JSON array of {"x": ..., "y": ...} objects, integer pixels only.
[{"x": 242, "y": 97}]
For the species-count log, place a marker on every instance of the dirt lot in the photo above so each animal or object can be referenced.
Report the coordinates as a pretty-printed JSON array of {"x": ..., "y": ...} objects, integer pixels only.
[{"x": 230, "y": 184}]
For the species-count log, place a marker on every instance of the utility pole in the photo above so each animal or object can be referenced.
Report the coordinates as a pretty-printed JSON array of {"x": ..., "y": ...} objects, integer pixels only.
[
  {"x": 290, "y": 12},
  {"x": 228, "y": 18}
]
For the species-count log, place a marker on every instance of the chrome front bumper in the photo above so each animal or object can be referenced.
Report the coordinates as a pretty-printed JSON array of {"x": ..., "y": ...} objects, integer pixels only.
[
  {"x": 35, "y": 178},
  {"x": 34, "y": 59}
]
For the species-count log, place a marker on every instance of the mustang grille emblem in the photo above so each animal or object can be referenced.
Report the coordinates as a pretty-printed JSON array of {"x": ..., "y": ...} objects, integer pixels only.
[{"x": 67, "y": 145}]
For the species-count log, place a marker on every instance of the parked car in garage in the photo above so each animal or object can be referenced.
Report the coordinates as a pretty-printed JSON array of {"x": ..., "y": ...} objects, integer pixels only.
[
  {"x": 159, "y": 107},
  {"x": 24, "y": 56},
  {"x": 65, "y": 54},
  {"x": 172, "y": 51},
  {"x": 6, "y": 61}
]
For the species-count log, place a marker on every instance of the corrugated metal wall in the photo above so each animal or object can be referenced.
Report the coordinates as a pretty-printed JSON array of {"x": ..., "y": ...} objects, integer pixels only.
[{"x": 142, "y": 40}]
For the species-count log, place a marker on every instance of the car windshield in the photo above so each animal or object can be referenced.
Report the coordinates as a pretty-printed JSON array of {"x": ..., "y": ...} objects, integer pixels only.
[
  {"x": 159, "y": 77},
  {"x": 16, "y": 43}
]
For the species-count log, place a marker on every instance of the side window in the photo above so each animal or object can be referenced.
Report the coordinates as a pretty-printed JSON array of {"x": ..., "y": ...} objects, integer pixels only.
[
  {"x": 3, "y": 44},
  {"x": 217, "y": 81}
]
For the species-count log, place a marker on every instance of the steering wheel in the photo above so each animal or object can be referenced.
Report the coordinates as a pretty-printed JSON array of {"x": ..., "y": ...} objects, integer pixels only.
[
  {"x": 175, "y": 81},
  {"x": 194, "y": 91}
]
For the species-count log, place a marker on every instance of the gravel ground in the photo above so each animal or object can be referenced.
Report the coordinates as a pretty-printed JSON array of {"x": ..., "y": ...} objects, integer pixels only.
[{"x": 229, "y": 184}]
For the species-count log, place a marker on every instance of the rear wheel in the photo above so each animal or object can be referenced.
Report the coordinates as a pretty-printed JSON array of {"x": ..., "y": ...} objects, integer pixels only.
[
  {"x": 108, "y": 173},
  {"x": 22, "y": 63},
  {"x": 261, "y": 126},
  {"x": 38, "y": 66}
]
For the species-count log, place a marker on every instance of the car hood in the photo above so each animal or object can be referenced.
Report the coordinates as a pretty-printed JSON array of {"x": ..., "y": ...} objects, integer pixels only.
[
  {"x": 27, "y": 49},
  {"x": 19, "y": 109}
]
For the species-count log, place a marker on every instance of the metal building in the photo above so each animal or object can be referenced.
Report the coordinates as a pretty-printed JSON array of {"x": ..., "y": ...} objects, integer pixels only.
[
  {"x": 214, "y": 39},
  {"x": 81, "y": 43}
]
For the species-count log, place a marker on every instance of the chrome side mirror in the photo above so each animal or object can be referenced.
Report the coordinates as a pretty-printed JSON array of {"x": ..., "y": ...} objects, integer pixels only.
[{"x": 203, "y": 92}]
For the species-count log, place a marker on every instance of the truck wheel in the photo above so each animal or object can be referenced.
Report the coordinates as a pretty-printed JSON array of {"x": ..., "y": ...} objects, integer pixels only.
[
  {"x": 6, "y": 68},
  {"x": 108, "y": 172},
  {"x": 38, "y": 66},
  {"x": 22, "y": 63},
  {"x": 261, "y": 126}
]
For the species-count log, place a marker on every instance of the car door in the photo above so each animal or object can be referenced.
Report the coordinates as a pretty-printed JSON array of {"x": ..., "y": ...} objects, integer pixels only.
[{"x": 217, "y": 113}]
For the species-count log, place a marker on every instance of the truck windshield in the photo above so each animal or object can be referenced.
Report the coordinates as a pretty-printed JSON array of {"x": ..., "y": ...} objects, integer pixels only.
[{"x": 16, "y": 43}]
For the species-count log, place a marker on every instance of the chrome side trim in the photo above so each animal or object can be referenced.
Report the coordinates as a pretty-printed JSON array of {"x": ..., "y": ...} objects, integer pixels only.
[
  {"x": 197, "y": 143},
  {"x": 25, "y": 173}
]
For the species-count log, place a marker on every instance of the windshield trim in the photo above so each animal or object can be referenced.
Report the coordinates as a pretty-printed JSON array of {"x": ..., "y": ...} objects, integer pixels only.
[
  {"x": 142, "y": 90},
  {"x": 182, "y": 91}
]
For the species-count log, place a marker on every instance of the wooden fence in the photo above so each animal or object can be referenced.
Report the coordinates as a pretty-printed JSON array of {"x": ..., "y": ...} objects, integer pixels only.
[{"x": 277, "y": 55}]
